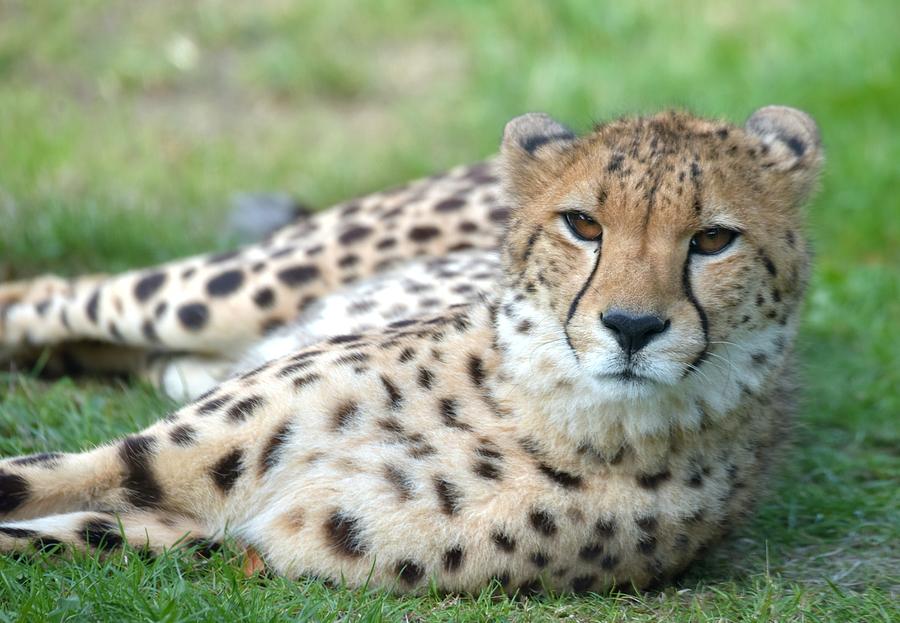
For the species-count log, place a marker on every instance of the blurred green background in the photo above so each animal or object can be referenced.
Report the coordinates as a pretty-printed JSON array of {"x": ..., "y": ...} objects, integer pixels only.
[{"x": 126, "y": 126}]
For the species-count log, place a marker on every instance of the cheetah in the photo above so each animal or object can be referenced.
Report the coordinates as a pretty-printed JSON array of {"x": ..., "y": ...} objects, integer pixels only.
[{"x": 597, "y": 419}]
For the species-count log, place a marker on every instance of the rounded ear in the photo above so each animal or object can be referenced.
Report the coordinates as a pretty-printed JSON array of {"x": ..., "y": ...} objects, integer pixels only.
[
  {"x": 795, "y": 146},
  {"x": 534, "y": 134},
  {"x": 530, "y": 143}
]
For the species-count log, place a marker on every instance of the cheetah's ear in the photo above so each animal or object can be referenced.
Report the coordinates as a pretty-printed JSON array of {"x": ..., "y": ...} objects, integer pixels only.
[
  {"x": 795, "y": 147},
  {"x": 530, "y": 143},
  {"x": 535, "y": 134}
]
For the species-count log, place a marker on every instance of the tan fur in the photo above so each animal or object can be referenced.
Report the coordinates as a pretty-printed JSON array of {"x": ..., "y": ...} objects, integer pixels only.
[{"x": 499, "y": 440}]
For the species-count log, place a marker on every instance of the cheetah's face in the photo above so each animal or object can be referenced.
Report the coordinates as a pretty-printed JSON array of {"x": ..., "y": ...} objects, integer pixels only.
[{"x": 663, "y": 248}]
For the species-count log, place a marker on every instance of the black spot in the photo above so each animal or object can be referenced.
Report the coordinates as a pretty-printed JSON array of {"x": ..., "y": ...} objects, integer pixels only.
[
  {"x": 344, "y": 339},
  {"x": 149, "y": 331},
  {"x": 767, "y": 262},
  {"x": 386, "y": 243},
  {"x": 296, "y": 276},
  {"x": 543, "y": 522},
  {"x": 695, "y": 480},
  {"x": 401, "y": 481},
  {"x": 344, "y": 535},
  {"x": 92, "y": 305},
  {"x": 646, "y": 544},
  {"x": 449, "y": 205},
  {"x": 722, "y": 133},
  {"x": 453, "y": 558},
  {"x": 605, "y": 528},
  {"x": 407, "y": 354},
  {"x": 101, "y": 534},
  {"x": 302, "y": 381},
  {"x": 583, "y": 583},
  {"x": 421, "y": 450},
  {"x": 489, "y": 453},
  {"x": 448, "y": 496},
  {"x": 797, "y": 146},
  {"x": 476, "y": 371},
  {"x": 344, "y": 415},
  {"x": 759, "y": 359},
  {"x": 790, "y": 238},
  {"x": 652, "y": 481},
  {"x": 269, "y": 325},
  {"x": 193, "y": 316},
  {"x": 148, "y": 285},
  {"x": 227, "y": 470},
  {"x": 13, "y": 492},
  {"x": 426, "y": 378},
  {"x": 264, "y": 298},
  {"x": 158, "y": 311},
  {"x": 530, "y": 588},
  {"x": 183, "y": 435},
  {"x": 409, "y": 572},
  {"x": 296, "y": 366},
  {"x": 245, "y": 408},
  {"x": 501, "y": 580},
  {"x": 271, "y": 451},
  {"x": 486, "y": 469},
  {"x": 424, "y": 233},
  {"x": 615, "y": 163},
  {"x": 450, "y": 416},
  {"x": 43, "y": 458},
  {"x": 564, "y": 479},
  {"x": 18, "y": 533},
  {"x": 539, "y": 559},
  {"x": 695, "y": 170},
  {"x": 225, "y": 283},
  {"x": 590, "y": 552},
  {"x": 499, "y": 215},
  {"x": 348, "y": 261},
  {"x": 212, "y": 405},
  {"x": 503, "y": 541},
  {"x": 140, "y": 484},
  {"x": 395, "y": 398},
  {"x": 354, "y": 234},
  {"x": 647, "y": 523},
  {"x": 203, "y": 548},
  {"x": 609, "y": 562}
]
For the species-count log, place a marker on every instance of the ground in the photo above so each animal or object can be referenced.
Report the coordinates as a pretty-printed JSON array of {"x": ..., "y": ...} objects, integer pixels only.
[{"x": 125, "y": 128}]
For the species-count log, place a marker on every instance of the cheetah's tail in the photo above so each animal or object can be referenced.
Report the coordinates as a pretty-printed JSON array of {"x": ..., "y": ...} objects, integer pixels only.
[{"x": 144, "y": 531}]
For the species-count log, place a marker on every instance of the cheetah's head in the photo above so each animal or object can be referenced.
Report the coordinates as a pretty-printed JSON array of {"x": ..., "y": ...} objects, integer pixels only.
[{"x": 658, "y": 258}]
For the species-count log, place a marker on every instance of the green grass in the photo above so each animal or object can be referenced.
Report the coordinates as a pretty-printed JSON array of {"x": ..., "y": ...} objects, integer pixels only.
[{"x": 121, "y": 118}]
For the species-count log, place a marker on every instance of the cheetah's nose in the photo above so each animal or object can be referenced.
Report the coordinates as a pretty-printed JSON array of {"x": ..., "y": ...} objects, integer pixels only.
[{"x": 633, "y": 331}]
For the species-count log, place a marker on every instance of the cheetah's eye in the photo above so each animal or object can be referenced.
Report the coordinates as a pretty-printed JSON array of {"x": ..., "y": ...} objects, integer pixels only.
[
  {"x": 712, "y": 240},
  {"x": 583, "y": 226}
]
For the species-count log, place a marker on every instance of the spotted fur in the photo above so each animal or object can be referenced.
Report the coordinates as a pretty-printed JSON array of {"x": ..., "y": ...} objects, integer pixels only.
[{"x": 496, "y": 441}]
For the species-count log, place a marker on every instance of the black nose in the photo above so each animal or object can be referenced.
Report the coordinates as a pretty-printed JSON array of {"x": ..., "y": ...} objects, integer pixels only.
[{"x": 632, "y": 331}]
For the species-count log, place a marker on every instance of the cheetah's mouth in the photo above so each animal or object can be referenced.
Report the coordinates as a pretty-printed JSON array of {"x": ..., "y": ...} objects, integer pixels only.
[{"x": 627, "y": 375}]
